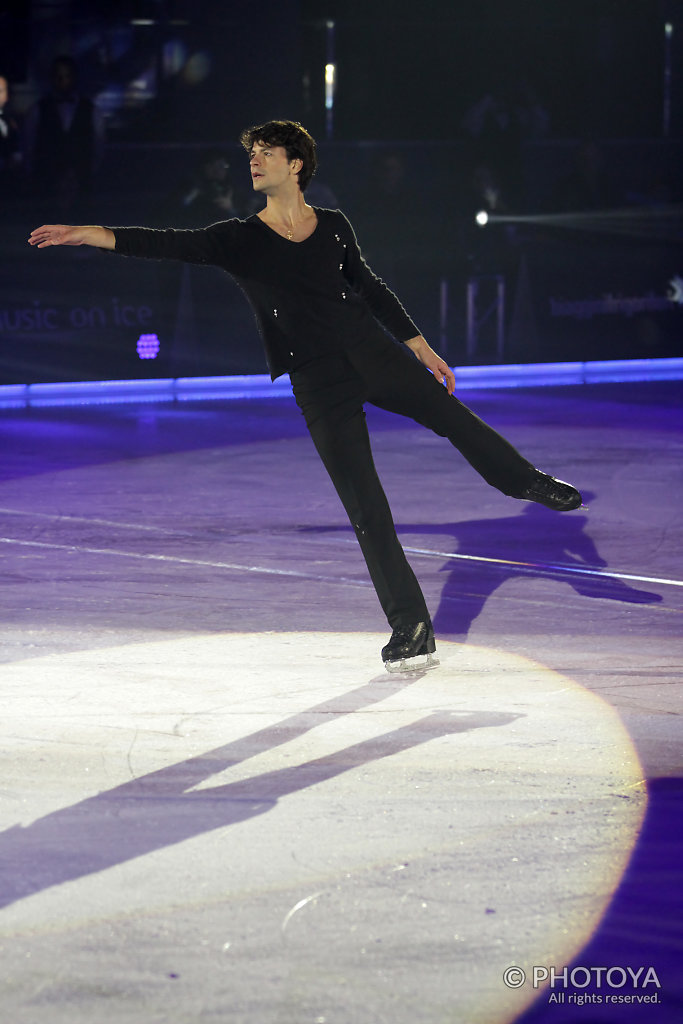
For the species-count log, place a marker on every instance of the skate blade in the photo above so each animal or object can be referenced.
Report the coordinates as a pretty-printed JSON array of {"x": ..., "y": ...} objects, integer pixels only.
[{"x": 420, "y": 663}]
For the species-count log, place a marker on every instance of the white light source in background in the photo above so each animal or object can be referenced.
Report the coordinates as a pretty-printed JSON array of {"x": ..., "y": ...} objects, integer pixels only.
[
  {"x": 330, "y": 79},
  {"x": 482, "y": 218}
]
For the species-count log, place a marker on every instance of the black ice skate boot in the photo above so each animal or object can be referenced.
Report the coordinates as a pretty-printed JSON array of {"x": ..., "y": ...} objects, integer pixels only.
[
  {"x": 554, "y": 494},
  {"x": 411, "y": 648}
]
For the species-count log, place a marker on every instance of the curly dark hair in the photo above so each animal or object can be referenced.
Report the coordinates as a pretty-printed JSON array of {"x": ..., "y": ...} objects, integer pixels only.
[{"x": 298, "y": 143}]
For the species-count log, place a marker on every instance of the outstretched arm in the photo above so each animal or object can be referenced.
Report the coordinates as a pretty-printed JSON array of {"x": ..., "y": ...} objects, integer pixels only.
[
  {"x": 220, "y": 244},
  {"x": 68, "y": 234},
  {"x": 426, "y": 354}
]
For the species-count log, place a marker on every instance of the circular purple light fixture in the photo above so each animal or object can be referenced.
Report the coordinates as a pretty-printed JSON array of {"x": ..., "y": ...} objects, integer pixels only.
[{"x": 148, "y": 346}]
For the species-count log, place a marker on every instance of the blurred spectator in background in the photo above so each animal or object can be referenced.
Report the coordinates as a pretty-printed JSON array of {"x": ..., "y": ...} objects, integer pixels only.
[
  {"x": 64, "y": 140},
  {"x": 384, "y": 204},
  {"x": 486, "y": 191},
  {"x": 496, "y": 126},
  {"x": 587, "y": 185},
  {"x": 10, "y": 145},
  {"x": 205, "y": 197},
  {"x": 320, "y": 194},
  {"x": 391, "y": 215},
  {"x": 399, "y": 219},
  {"x": 489, "y": 251}
]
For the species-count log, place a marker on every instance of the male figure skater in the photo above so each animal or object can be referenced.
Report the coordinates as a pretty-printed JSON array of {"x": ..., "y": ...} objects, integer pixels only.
[{"x": 325, "y": 318}]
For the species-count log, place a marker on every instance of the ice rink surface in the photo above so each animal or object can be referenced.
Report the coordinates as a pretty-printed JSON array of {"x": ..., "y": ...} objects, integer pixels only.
[{"x": 217, "y": 805}]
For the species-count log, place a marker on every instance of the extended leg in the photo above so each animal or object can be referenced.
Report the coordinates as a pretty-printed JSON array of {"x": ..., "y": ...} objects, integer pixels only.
[{"x": 406, "y": 387}]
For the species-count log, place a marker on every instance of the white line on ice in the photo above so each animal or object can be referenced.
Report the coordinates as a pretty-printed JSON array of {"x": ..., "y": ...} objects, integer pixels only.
[
  {"x": 540, "y": 566},
  {"x": 176, "y": 559}
]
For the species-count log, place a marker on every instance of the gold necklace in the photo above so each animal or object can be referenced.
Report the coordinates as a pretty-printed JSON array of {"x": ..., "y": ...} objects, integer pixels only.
[{"x": 290, "y": 231}]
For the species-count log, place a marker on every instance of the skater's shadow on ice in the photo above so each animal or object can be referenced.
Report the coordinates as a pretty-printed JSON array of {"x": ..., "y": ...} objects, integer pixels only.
[
  {"x": 162, "y": 808},
  {"x": 486, "y": 553},
  {"x": 539, "y": 544}
]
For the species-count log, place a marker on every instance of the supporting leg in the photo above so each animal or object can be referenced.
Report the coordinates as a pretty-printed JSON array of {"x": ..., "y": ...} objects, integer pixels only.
[{"x": 331, "y": 399}]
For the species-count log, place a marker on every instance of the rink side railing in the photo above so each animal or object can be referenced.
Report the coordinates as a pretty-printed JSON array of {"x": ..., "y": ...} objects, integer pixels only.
[{"x": 259, "y": 386}]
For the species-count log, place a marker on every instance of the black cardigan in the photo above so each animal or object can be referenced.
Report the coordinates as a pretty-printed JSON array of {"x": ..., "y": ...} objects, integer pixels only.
[{"x": 310, "y": 298}]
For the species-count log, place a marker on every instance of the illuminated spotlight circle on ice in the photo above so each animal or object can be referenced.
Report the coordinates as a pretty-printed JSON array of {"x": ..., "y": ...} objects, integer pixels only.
[
  {"x": 506, "y": 795},
  {"x": 482, "y": 218}
]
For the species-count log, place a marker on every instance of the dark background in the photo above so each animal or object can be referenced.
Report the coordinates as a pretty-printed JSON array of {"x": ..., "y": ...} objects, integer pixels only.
[{"x": 592, "y": 125}]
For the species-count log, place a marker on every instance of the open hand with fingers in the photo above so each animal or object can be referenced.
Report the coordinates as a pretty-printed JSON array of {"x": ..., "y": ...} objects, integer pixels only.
[{"x": 72, "y": 234}]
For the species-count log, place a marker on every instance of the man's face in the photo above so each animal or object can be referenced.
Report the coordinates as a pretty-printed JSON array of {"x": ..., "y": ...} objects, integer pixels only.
[
  {"x": 3, "y": 91},
  {"x": 270, "y": 167}
]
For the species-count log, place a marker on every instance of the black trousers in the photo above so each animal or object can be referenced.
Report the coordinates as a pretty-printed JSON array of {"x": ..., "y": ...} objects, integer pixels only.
[{"x": 331, "y": 392}]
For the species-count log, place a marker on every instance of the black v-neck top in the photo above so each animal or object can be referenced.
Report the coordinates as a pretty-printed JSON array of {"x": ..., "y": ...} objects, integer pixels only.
[{"x": 310, "y": 298}]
